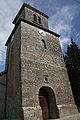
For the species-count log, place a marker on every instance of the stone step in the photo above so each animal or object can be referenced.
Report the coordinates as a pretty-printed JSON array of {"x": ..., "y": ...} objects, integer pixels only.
[{"x": 72, "y": 117}]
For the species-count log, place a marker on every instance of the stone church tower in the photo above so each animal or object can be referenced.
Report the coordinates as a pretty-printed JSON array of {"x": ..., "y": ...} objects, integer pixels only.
[{"x": 37, "y": 82}]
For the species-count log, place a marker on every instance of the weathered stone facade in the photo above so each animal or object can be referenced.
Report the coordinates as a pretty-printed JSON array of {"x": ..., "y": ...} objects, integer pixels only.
[
  {"x": 37, "y": 84},
  {"x": 2, "y": 94},
  {"x": 14, "y": 77},
  {"x": 40, "y": 62}
]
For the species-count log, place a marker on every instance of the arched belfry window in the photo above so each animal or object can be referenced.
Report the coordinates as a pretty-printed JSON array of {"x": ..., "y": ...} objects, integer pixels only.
[
  {"x": 39, "y": 20},
  {"x": 35, "y": 17},
  {"x": 43, "y": 43}
]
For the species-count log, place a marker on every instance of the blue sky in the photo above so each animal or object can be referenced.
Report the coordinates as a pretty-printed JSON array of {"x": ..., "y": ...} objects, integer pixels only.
[{"x": 64, "y": 20}]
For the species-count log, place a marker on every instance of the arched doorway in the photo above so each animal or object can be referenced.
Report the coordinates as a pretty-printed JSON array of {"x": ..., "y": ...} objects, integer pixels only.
[{"x": 48, "y": 103}]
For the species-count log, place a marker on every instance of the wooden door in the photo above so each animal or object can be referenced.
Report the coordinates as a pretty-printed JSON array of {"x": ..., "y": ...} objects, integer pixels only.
[{"x": 44, "y": 107}]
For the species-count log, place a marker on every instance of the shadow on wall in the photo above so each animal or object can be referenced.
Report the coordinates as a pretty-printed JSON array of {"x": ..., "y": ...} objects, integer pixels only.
[{"x": 2, "y": 93}]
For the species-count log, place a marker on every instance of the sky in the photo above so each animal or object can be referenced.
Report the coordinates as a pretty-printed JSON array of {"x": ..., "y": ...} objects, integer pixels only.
[{"x": 64, "y": 19}]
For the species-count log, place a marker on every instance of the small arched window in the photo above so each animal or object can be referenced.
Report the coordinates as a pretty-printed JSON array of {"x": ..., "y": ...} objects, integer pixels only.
[
  {"x": 35, "y": 17},
  {"x": 44, "y": 43}
]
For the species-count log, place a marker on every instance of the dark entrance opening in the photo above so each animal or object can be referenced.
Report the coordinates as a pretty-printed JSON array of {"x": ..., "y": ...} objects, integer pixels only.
[{"x": 48, "y": 103}]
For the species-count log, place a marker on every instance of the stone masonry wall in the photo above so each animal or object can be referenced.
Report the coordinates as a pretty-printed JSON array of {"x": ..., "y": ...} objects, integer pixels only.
[
  {"x": 37, "y": 62},
  {"x": 2, "y": 95},
  {"x": 22, "y": 15},
  {"x": 29, "y": 16},
  {"x": 14, "y": 83}
]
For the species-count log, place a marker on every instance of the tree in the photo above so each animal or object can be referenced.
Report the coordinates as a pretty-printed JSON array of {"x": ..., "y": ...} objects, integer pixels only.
[{"x": 72, "y": 61}]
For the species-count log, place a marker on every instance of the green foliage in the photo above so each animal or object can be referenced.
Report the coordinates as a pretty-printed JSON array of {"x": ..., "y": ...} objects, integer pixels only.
[
  {"x": 72, "y": 61},
  {"x": 13, "y": 119}
]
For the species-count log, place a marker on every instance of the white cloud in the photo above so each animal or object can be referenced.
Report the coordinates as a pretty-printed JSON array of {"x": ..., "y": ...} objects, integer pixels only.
[
  {"x": 65, "y": 41},
  {"x": 78, "y": 35},
  {"x": 77, "y": 38},
  {"x": 8, "y": 10},
  {"x": 62, "y": 23}
]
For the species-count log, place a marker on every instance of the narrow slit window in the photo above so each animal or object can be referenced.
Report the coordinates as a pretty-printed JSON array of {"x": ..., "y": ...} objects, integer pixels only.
[
  {"x": 39, "y": 20},
  {"x": 35, "y": 17},
  {"x": 44, "y": 43}
]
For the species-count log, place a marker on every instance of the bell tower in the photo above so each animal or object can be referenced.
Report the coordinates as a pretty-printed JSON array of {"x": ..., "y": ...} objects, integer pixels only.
[{"x": 38, "y": 82}]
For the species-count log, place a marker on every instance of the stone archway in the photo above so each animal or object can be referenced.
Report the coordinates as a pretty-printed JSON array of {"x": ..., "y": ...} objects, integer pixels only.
[{"x": 48, "y": 103}]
